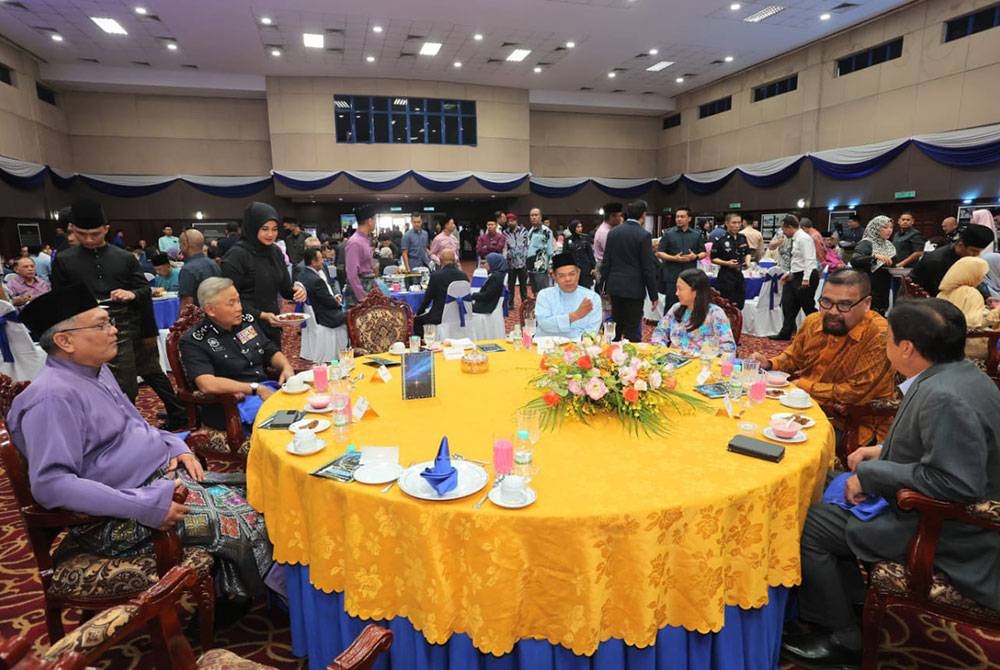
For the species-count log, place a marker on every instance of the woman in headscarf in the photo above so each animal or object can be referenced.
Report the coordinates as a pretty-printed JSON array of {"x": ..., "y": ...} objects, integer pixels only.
[
  {"x": 993, "y": 276},
  {"x": 485, "y": 300},
  {"x": 578, "y": 243},
  {"x": 984, "y": 217},
  {"x": 257, "y": 267},
  {"x": 960, "y": 287},
  {"x": 873, "y": 254}
]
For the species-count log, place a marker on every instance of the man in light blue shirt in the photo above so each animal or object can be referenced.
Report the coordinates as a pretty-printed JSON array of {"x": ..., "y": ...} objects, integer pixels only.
[
  {"x": 567, "y": 309},
  {"x": 414, "y": 251},
  {"x": 43, "y": 262}
]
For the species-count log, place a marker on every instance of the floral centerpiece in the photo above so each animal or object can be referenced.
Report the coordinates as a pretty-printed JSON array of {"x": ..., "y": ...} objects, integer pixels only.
[{"x": 586, "y": 378}]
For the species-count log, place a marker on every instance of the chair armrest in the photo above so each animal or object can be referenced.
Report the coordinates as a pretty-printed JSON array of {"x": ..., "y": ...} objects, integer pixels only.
[
  {"x": 364, "y": 650},
  {"x": 167, "y": 543},
  {"x": 14, "y": 649},
  {"x": 36, "y": 516},
  {"x": 201, "y": 398}
]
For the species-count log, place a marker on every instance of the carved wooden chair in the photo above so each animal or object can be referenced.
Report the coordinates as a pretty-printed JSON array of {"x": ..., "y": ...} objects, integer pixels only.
[
  {"x": 378, "y": 321},
  {"x": 913, "y": 616},
  {"x": 8, "y": 391},
  {"x": 991, "y": 363},
  {"x": 155, "y": 611},
  {"x": 734, "y": 314},
  {"x": 88, "y": 581},
  {"x": 912, "y": 289},
  {"x": 877, "y": 413},
  {"x": 229, "y": 445},
  {"x": 526, "y": 310}
]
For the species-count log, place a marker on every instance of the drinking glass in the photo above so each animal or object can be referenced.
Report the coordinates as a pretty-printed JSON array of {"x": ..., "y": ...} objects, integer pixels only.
[
  {"x": 529, "y": 326},
  {"x": 503, "y": 453},
  {"x": 347, "y": 359},
  {"x": 531, "y": 421},
  {"x": 340, "y": 399},
  {"x": 609, "y": 332},
  {"x": 430, "y": 335}
]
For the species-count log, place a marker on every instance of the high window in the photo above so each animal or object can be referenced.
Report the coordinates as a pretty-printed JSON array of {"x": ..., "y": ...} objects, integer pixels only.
[
  {"x": 973, "y": 23},
  {"x": 366, "y": 119},
  {"x": 715, "y": 107},
  {"x": 779, "y": 87},
  {"x": 879, "y": 54}
]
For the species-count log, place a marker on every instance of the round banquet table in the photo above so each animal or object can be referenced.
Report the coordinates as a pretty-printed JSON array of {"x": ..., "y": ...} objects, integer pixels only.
[
  {"x": 166, "y": 311},
  {"x": 639, "y": 552},
  {"x": 411, "y": 298},
  {"x": 751, "y": 285}
]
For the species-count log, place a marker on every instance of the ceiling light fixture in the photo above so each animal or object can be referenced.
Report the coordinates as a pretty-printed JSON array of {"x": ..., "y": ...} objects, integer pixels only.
[
  {"x": 276, "y": 53},
  {"x": 570, "y": 45},
  {"x": 679, "y": 80},
  {"x": 141, "y": 11},
  {"x": 110, "y": 26},
  {"x": 313, "y": 40},
  {"x": 56, "y": 37},
  {"x": 537, "y": 69},
  {"x": 800, "y": 203},
  {"x": 172, "y": 46},
  {"x": 824, "y": 17},
  {"x": 735, "y": 7},
  {"x": 376, "y": 29},
  {"x": 457, "y": 63},
  {"x": 765, "y": 13},
  {"x": 662, "y": 65},
  {"x": 430, "y": 48},
  {"x": 370, "y": 59},
  {"x": 653, "y": 52},
  {"x": 266, "y": 20},
  {"x": 199, "y": 215},
  {"x": 478, "y": 37},
  {"x": 518, "y": 55},
  {"x": 612, "y": 75},
  {"x": 728, "y": 59}
]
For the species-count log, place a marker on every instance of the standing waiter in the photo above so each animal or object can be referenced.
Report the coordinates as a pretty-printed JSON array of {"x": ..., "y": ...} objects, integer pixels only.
[
  {"x": 113, "y": 275},
  {"x": 731, "y": 253}
]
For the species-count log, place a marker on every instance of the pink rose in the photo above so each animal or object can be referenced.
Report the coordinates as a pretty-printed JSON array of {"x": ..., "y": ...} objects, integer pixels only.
[
  {"x": 595, "y": 388},
  {"x": 655, "y": 380},
  {"x": 627, "y": 375},
  {"x": 618, "y": 356},
  {"x": 575, "y": 387}
]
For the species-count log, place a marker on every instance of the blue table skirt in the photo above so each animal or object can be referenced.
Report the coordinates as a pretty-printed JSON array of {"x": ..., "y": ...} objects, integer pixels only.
[
  {"x": 749, "y": 640},
  {"x": 166, "y": 311},
  {"x": 751, "y": 285},
  {"x": 412, "y": 299}
]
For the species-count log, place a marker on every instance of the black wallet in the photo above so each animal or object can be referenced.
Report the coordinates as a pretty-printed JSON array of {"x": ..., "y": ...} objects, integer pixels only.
[{"x": 748, "y": 446}]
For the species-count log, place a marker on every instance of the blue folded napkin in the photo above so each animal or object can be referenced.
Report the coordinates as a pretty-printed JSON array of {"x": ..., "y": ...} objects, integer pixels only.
[
  {"x": 442, "y": 476},
  {"x": 251, "y": 405},
  {"x": 869, "y": 509}
]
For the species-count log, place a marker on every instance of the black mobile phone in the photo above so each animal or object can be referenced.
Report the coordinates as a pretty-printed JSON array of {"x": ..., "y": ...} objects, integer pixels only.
[
  {"x": 376, "y": 361},
  {"x": 418, "y": 375},
  {"x": 749, "y": 446},
  {"x": 283, "y": 418}
]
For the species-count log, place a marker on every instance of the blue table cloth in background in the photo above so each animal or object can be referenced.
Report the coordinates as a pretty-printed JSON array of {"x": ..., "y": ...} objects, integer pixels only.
[
  {"x": 321, "y": 629},
  {"x": 166, "y": 311},
  {"x": 751, "y": 285},
  {"x": 413, "y": 299}
]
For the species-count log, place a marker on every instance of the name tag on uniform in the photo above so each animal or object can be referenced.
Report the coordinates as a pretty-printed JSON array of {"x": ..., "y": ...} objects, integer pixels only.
[{"x": 246, "y": 334}]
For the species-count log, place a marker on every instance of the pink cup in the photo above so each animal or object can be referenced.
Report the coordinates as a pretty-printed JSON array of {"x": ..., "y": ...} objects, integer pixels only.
[
  {"x": 503, "y": 456},
  {"x": 319, "y": 378},
  {"x": 726, "y": 367},
  {"x": 758, "y": 390}
]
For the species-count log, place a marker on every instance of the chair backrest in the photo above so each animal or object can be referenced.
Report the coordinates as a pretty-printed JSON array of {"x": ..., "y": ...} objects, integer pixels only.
[
  {"x": 189, "y": 316},
  {"x": 378, "y": 321},
  {"x": 7, "y": 277},
  {"x": 732, "y": 312},
  {"x": 480, "y": 272},
  {"x": 390, "y": 270},
  {"x": 525, "y": 311},
  {"x": 992, "y": 338},
  {"x": 914, "y": 290},
  {"x": 8, "y": 391},
  {"x": 149, "y": 276}
]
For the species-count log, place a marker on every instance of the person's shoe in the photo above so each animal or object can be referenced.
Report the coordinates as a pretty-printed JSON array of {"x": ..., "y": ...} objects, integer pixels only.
[
  {"x": 819, "y": 650},
  {"x": 779, "y": 336},
  {"x": 174, "y": 425}
]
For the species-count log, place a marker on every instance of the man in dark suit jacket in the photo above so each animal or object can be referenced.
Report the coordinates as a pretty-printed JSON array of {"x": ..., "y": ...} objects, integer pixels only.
[
  {"x": 944, "y": 443},
  {"x": 324, "y": 292},
  {"x": 628, "y": 272},
  {"x": 437, "y": 290}
]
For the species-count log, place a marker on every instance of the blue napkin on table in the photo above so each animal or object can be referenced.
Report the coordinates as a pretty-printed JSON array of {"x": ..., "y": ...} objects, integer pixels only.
[
  {"x": 442, "y": 475},
  {"x": 251, "y": 405},
  {"x": 869, "y": 509}
]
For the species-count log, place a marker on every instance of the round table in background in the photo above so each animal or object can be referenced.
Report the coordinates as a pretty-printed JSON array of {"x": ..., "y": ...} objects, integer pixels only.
[
  {"x": 668, "y": 551},
  {"x": 166, "y": 310},
  {"x": 411, "y": 298}
]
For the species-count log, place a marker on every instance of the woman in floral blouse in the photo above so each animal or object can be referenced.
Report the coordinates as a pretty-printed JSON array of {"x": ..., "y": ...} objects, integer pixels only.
[{"x": 694, "y": 318}]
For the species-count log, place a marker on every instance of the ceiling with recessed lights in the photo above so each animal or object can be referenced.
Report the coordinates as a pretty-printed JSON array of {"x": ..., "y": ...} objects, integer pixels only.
[{"x": 596, "y": 46}]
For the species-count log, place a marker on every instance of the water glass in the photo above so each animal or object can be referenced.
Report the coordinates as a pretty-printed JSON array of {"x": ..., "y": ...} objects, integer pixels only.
[
  {"x": 758, "y": 389},
  {"x": 414, "y": 344},
  {"x": 529, "y": 326},
  {"x": 340, "y": 399},
  {"x": 609, "y": 332},
  {"x": 347, "y": 359},
  {"x": 531, "y": 421},
  {"x": 430, "y": 334}
]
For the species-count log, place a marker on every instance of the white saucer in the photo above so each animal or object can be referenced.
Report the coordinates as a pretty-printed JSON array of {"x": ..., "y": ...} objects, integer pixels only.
[
  {"x": 778, "y": 386},
  {"x": 799, "y": 436},
  {"x": 496, "y": 497},
  {"x": 298, "y": 425},
  {"x": 378, "y": 473},
  {"x": 784, "y": 400},
  {"x": 310, "y": 410},
  {"x": 784, "y": 416},
  {"x": 302, "y": 390},
  {"x": 320, "y": 444}
]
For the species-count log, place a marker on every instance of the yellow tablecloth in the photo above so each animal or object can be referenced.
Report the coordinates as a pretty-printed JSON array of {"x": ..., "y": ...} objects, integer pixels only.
[{"x": 627, "y": 536}]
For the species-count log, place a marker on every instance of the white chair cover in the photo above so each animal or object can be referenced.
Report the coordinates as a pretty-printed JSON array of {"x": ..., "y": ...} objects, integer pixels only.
[
  {"x": 479, "y": 277},
  {"x": 28, "y": 356},
  {"x": 650, "y": 314},
  {"x": 390, "y": 270},
  {"x": 321, "y": 344},
  {"x": 767, "y": 317},
  {"x": 149, "y": 276},
  {"x": 451, "y": 320},
  {"x": 488, "y": 326}
]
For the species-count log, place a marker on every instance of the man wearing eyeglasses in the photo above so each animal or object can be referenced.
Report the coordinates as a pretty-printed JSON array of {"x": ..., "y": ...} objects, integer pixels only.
[{"x": 839, "y": 352}]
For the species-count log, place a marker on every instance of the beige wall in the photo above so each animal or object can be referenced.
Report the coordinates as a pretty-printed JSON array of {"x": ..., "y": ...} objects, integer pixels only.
[
  {"x": 301, "y": 114},
  {"x": 116, "y": 133},
  {"x": 564, "y": 144},
  {"x": 30, "y": 129},
  {"x": 935, "y": 86}
]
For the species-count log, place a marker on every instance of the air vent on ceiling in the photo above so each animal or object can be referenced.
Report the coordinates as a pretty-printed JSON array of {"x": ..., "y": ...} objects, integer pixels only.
[
  {"x": 45, "y": 29},
  {"x": 542, "y": 64},
  {"x": 717, "y": 61},
  {"x": 509, "y": 44},
  {"x": 190, "y": 66},
  {"x": 142, "y": 63},
  {"x": 560, "y": 48},
  {"x": 844, "y": 7},
  {"x": 649, "y": 92},
  {"x": 619, "y": 69},
  {"x": 14, "y": 5},
  {"x": 643, "y": 55},
  {"x": 415, "y": 37},
  {"x": 407, "y": 54},
  {"x": 586, "y": 88},
  {"x": 618, "y": 90},
  {"x": 274, "y": 46},
  {"x": 89, "y": 60},
  {"x": 335, "y": 50},
  {"x": 334, "y": 31},
  {"x": 494, "y": 60},
  {"x": 688, "y": 75}
]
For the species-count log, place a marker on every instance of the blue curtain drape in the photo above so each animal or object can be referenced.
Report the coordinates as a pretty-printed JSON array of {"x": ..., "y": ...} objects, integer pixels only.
[
  {"x": 846, "y": 171},
  {"x": 378, "y": 185},
  {"x": 775, "y": 178},
  {"x": 241, "y": 191},
  {"x": 305, "y": 184},
  {"x": 435, "y": 185},
  {"x": 962, "y": 157}
]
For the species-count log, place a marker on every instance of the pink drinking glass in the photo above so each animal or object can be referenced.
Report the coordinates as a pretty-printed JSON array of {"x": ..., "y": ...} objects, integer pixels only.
[
  {"x": 320, "y": 378},
  {"x": 503, "y": 454}
]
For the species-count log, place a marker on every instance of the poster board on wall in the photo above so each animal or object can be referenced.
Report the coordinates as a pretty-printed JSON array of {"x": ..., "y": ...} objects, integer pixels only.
[
  {"x": 770, "y": 224},
  {"x": 29, "y": 234}
]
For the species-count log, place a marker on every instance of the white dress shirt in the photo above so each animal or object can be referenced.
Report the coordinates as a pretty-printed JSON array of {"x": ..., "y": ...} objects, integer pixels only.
[{"x": 803, "y": 253}]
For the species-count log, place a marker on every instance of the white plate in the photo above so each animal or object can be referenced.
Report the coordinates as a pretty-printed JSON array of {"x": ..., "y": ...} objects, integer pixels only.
[
  {"x": 284, "y": 387},
  {"x": 378, "y": 473},
  {"x": 799, "y": 437},
  {"x": 319, "y": 447},
  {"x": 326, "y": 410},
  {"x": 303, "y": 317},
  {"x": 551, "y": 340},
  {"x": 496, "y": 497},
  {"x": 298, "y": 425},
  {"x": 471, "y": 478},
  {"x": 787, "y": 402},
  {"x": 784, "y": 416},
  {"x": 305, "y": 375},
  {"x": 778, "y": 386}
]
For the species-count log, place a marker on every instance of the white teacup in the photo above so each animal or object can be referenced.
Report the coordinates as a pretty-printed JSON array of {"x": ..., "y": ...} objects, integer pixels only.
[
  {"x": 295, "y": 384},
  {"x": 798, "y": 396},
  {"x": 776, "y": 377},
  {"x": 513, "y": 490},
  {"x": 304, "y": 440},
  {"x": 397, "y": 348}
]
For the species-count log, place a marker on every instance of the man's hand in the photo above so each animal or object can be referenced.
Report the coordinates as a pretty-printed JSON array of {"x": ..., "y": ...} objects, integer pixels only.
[
  {"x": 765, "y": 362},
  {"x": 784, "y": 278},
  {"x": 263, "y": 392},
  {"x": 176, "y": 511},
  {"x": 193, "y": 467},
  {"x": 121, "y": 295},
  {"x": 270, "y": 319},
  {"x": 286, "y": 372},
  {"x": 583, "y": 310},
  {"x": 852, "y": 490},
  {"x": 863, "y": 454},
  {"x": 22, "y": 299},
  {"x": 298, "y": 293}
]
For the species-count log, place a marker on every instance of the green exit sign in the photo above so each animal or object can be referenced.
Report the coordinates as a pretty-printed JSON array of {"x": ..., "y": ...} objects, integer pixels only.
[
  {"x": 735, "y": 205},
  {"x": 395, "y": 209},
  {"x": 428, "y": 209},
  {"x": 905, "y": 195}
]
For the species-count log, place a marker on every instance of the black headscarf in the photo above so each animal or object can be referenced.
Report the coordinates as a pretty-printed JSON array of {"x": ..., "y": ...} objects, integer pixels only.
[{"x": 255, "y": 216}]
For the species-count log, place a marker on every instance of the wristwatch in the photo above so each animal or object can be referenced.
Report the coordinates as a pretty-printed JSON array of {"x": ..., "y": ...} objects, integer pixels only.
[{"x": 253, "y": 387}]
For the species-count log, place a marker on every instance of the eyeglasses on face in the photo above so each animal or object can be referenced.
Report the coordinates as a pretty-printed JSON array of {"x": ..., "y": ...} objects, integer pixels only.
[
  {"x": 103, "y": 325},
  {"x": 843, "y": 306}
]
